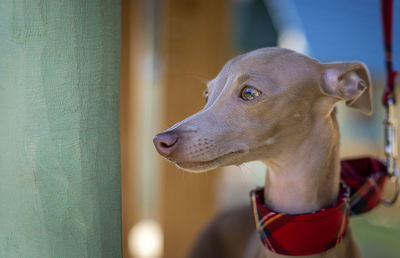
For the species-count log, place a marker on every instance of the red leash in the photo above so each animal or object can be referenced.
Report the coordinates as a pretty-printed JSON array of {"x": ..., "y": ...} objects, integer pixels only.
[{"x": 387, "y": 22}]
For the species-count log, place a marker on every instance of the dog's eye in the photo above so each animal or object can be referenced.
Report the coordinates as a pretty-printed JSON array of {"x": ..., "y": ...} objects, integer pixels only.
[
  {"x": 205, "y": 93},
  {"x": 249, "y": 93}
]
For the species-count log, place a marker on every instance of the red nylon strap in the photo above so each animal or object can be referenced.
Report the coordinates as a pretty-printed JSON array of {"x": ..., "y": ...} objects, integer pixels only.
[
  {"x": 316, "y": 232},
  {"x": 387, "y": 22}
]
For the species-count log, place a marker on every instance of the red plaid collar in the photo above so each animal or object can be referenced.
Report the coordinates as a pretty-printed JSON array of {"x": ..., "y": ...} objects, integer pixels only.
[{"x": 311, "y": 233}]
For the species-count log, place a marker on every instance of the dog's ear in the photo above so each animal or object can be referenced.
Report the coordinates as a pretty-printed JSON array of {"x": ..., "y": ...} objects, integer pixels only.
[{"x": 349, "y": 82}]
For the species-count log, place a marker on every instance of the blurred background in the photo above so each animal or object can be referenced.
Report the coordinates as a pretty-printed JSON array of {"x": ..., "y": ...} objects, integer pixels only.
[{"x": 171, "y": 48}]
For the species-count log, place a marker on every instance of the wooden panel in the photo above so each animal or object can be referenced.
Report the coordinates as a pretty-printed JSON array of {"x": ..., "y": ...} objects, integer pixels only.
[
  {"x": 129, "y": 29},
  {"x": 59, "y": 129},
  {"x": 194, "y": 48}
]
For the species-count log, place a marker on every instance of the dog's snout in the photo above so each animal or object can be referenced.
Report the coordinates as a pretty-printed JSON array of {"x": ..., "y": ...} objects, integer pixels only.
[{"x": 165, "y": 143}]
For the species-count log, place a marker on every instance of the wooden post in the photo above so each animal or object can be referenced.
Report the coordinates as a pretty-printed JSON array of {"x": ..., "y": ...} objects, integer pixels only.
[
  {"x": 194, "y": 45},
  {"x": 59, "y": 129}
]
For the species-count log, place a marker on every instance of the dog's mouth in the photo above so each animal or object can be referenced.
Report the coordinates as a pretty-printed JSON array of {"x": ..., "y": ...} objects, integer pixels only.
[{"x": 197, "y": 166}]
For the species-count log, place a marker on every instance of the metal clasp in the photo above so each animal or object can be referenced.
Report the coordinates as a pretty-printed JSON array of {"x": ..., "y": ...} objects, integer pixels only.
[{"x": 391, "y": 151}]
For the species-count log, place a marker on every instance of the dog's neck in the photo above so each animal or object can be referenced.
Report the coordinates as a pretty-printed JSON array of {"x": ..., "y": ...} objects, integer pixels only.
[{"x": 306, "y": 177}]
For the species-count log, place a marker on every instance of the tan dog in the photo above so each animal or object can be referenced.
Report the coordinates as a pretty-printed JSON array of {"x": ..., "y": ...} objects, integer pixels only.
[{"x": 277, "y": 106}]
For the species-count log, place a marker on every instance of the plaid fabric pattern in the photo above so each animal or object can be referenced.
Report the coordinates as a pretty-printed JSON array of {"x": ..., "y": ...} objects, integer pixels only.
[
  {"x": 311, "y": 233},
  {"x": 366, "y": 178}
]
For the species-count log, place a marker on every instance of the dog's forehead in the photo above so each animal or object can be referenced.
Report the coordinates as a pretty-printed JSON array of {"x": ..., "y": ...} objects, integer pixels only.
[
  {"x": 268, "y": 60},
  {"x": 275, "y": 63}
]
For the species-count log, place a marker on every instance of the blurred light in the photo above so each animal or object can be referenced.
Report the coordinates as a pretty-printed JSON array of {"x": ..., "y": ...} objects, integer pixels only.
[
  {"x": 288, "y": 23},
  {"x": 293, "y": 39},
  {"x": 146, "y": 239}
]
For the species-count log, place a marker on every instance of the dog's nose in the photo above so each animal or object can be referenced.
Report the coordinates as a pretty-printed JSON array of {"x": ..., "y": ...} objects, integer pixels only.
[{"x": 165, "y": 143}]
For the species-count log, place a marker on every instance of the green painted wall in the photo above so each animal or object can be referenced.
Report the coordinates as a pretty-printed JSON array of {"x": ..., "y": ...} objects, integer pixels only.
[{"x": 59, "y": 128}]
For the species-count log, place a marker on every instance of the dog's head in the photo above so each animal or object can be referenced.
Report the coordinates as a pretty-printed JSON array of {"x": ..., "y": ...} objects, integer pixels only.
[{"x": 260, "y": 104}]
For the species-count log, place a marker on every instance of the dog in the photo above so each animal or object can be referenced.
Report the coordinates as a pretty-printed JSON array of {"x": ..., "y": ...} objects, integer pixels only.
[{"x": 277, "y": 106}]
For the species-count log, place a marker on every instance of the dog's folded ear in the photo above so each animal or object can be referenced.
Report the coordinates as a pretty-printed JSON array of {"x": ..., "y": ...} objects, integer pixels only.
[{"x": 350, "y": 82}]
